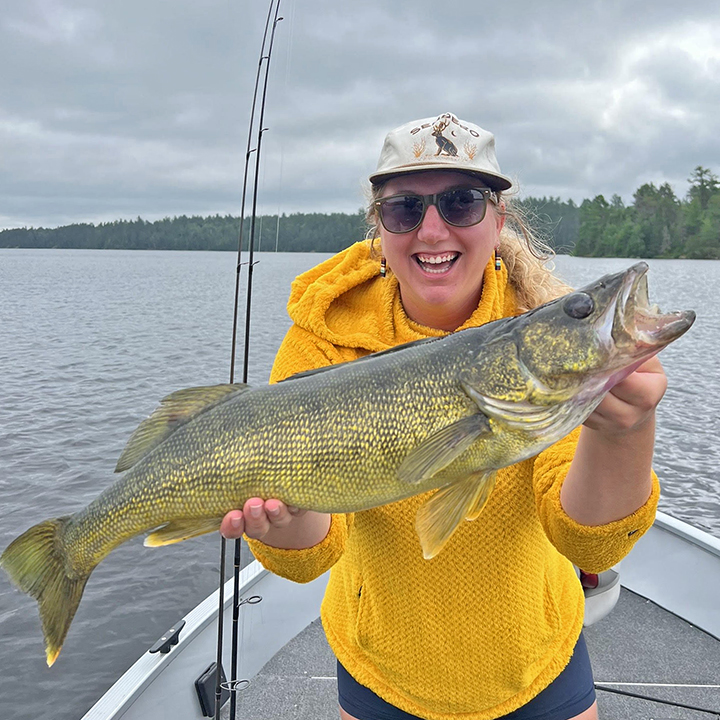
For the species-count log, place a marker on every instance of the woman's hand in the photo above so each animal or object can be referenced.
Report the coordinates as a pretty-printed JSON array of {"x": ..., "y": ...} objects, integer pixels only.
[
  {"x": 276, "y": 524},
  {"x": 610, "y": 475},
  {"x": 631, "y": 403},
  {"x": 257, "y": 518}
]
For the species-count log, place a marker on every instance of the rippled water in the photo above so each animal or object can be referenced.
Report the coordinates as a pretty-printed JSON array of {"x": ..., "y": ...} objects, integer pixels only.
[{"x": 91, "y": 340}]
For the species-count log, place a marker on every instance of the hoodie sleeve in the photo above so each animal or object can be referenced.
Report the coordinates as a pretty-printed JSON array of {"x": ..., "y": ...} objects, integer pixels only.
[
  {"x": 592, "y": 548},
  {"x": 302, "y": 566},
  {"x": 301, "y": 350}
]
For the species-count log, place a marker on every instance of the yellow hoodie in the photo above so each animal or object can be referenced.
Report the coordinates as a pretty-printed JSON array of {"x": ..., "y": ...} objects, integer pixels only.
[{"x": 492, "y": 620}]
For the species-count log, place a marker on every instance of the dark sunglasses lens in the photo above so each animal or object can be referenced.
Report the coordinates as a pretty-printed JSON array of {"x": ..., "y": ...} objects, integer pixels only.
[
  {"x": 462, "y": 206},
  {"x": 401, "y": 214}
]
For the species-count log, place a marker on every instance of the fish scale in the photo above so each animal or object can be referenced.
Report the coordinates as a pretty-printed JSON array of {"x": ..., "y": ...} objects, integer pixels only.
[{"x": 439, "y": 414}]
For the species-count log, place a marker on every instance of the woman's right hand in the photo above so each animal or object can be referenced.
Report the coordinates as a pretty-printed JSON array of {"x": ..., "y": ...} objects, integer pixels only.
[
  {"x": 276, "y": 524},
  {"x": 257, "y": 518}
]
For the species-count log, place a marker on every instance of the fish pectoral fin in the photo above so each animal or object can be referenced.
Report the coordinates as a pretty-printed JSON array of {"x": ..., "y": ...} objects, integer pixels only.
[
  {"x": 174, "y": 411},
  {"x": 441, "y": 448},
  {"x": 522, "y": 415},
  {"x": 438, "y": 517},
  {"x": 179, "y": 530}
]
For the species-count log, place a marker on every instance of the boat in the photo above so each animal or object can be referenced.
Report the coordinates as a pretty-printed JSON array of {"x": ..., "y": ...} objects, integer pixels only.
[
  {"x": 652, "y": 624},
  {"x": 652, "y": 628}
]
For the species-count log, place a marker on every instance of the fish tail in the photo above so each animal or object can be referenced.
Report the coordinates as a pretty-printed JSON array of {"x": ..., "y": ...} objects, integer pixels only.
[{"x": 37, "y": 562}]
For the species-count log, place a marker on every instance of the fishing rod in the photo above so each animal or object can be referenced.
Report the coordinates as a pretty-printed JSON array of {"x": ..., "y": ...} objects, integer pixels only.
[{"x": 264, "y": 63}]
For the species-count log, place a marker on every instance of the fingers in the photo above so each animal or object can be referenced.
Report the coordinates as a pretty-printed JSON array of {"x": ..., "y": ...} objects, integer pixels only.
[
  {"x": 257, "y": 518},
  {"x": 644, "y": 388},
  {"x": 652, "y": 364},
  {"x": 632, "y": 402},
  {"x": 232, "y": 526},
  {"x": 614, "y": 415}
]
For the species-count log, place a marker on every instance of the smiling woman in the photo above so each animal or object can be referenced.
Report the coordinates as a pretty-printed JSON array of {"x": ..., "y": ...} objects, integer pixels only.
[
  {"x": 449, "y": 254},
  {"x": 438, "y": 264},
  {"x": 523, "y": 253}
]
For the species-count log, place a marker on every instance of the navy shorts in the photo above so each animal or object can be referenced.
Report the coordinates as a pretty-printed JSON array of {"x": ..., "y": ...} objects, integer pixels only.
[{"x": 572, "y": 692}]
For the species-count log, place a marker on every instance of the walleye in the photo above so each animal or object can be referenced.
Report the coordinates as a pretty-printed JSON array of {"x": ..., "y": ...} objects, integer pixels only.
[{"x": 441, "y": 414}]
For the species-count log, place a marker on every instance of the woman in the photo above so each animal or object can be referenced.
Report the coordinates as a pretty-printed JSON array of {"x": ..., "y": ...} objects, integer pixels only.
[{"x": 491, "y": 627}]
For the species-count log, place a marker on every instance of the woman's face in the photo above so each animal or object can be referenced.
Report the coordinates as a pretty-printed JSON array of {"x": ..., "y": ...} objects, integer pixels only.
[{"x": 440, "y": 267}]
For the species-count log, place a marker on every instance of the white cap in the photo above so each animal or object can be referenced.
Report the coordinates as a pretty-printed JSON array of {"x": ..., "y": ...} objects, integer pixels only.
[{"x": 441, "y": 143}]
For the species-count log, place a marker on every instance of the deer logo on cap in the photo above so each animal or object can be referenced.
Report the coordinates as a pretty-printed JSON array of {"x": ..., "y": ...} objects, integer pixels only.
[{"x": 445, "y": 146}]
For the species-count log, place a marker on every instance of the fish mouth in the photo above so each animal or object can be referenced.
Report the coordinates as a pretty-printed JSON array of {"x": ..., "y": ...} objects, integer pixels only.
[{"x": 634, "y": 329}]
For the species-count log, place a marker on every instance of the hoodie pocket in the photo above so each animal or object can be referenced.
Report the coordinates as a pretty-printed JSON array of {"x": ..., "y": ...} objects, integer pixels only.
[{"x": 361, "y": 619}]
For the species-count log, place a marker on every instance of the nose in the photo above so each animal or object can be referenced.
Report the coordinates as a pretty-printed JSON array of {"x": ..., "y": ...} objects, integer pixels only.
[{"x": 433, "y": 228}]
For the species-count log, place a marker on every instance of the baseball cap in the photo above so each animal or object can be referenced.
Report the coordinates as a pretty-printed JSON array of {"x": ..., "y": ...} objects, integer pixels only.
[{"x": 441, "y": 143}]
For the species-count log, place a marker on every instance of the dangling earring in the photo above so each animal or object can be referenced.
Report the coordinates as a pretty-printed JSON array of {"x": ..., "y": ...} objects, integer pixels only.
[
  {"x": 383, "y": 267},
  {"x": 497, "y": 259}
]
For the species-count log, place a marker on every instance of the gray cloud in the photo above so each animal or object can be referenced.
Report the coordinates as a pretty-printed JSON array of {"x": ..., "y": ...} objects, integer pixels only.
[{"x": 114, "y": 110}]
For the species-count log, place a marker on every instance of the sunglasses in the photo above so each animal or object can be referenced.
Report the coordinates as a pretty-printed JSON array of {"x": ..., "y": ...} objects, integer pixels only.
[{"x": 461, "y": 207}]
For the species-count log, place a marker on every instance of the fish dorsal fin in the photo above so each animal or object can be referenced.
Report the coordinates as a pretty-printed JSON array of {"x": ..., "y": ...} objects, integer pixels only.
[
  {"x": 363, "y": 359},
  {"x": 174, "y": 411},
  {"x": 438, "y": 518},
  {"x": 441, "y": 448}
]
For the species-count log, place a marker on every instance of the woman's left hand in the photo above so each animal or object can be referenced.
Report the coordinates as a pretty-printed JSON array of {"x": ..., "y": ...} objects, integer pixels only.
[
  {"x": 610, "y": 475},
  {"x": 631, "y": 403}
]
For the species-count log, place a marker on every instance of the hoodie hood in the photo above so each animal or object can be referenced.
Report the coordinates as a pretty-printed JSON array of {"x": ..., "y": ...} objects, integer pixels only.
[{"x": 345, "y": 302}]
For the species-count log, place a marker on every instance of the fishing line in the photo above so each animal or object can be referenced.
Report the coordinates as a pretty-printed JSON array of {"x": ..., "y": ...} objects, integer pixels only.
[
  {"x": 280, "y": 183},
  {"x": 601, "y": 685},
  {"x": 281, "y": 141},
  {"x": 660, "y": 685},
  {"x": 716, "y": 713}
]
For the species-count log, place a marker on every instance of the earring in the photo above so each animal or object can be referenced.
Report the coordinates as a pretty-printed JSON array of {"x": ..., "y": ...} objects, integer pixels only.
[
  {"x": 383, "y": 267},
  {"x": 497, "y": 259}
]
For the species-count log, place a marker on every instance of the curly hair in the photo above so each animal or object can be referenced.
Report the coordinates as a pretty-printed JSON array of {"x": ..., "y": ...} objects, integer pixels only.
[{"x": 527, "y": 257}]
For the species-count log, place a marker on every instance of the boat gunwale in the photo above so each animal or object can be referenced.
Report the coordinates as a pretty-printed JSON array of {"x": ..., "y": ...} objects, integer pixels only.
[
  {"x": 696, "y": 536},
  {"x": 133, "y": 682}
]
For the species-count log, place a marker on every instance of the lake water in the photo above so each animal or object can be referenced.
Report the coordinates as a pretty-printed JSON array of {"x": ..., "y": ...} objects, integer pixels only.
[{"x": 91, "y": 340}]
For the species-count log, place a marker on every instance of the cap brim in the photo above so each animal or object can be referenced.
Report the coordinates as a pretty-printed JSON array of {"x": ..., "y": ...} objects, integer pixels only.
[{"x": 493, "y": 181}]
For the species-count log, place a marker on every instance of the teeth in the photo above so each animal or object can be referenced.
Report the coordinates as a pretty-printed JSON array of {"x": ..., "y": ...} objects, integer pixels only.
[{"x": 436, "y": 259}]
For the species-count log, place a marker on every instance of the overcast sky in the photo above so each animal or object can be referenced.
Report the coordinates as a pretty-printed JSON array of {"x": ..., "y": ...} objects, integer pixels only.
[{"x": 115, "y": 109}]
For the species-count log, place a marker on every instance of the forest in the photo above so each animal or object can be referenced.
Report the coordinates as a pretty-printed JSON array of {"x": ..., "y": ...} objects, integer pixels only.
[{"x": 657, "y": 224}]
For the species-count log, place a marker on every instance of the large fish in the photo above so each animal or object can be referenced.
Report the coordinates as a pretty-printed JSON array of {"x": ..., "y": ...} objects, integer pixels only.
[{"x": 441, "y": 413}]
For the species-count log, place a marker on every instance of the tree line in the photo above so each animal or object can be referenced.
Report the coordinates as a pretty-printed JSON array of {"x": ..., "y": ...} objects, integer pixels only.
[
  {"x": 298, "y": 232},
  {"x": 656, "y": 224}
]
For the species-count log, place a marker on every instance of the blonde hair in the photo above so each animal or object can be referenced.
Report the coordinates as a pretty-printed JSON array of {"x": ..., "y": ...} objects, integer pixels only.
[{"x": 527, "y": 257}]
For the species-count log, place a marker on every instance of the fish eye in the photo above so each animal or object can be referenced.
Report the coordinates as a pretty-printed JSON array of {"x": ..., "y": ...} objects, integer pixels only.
[{"x": 579, "y": 305}]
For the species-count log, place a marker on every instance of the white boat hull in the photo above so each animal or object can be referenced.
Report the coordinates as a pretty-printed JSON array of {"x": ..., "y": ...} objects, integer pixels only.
[{"x": 674, "y": 565}]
